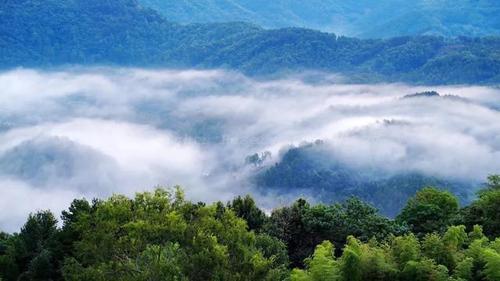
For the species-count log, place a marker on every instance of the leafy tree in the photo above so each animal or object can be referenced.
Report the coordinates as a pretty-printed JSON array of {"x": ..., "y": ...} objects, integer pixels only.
[
  {"x": 272, "y": 248},
  {"x": 42, "y": 266},
  {"x": 476, "y": 233},
  {"x": 486, "y": 210},
  {"x": 424, "y": 270},
  {"x": 321, "y": 267},
  {"x": 377, "y": 263},
  {"x": 455, "y": 237},
  {"x": 463, "y": 270},
  {"x": 404, "y": 249},
  {"x": 79, "y": 209},
  {"x": 429, "y": 210},
  {"x": 350, "y": 262},
  {"x": 32, "y": 252},
  {"x": 9, "y": 268},
  {"x": 489, "y": 204},
  {"x": 492, "y": 268},
  {"x": 288, "y": 225},
  {"x": 434, "y": 248},
  {"x": 245, "y": 208}
]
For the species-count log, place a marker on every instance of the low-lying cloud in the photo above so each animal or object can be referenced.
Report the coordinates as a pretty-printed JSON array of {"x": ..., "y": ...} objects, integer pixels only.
[{"x": 92, "y": 132}]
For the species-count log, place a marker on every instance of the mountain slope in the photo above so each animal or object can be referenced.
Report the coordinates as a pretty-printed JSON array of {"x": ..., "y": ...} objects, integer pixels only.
[
  {"x": 445, "y": 18},
  {"x": 316, "y": 14},
  {"x": 54, "y": 32},
  {"x": 311, "y": 171},
  {"x": 365, "y": 18},
  {"x": 120, "y": 32}
]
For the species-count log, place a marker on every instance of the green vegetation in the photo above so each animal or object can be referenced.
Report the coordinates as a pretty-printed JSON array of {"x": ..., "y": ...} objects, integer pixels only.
[
  {"x": 365, "y": 18},
  {"x": 485, "y": 210},
  {"x": 429, "y": 211},
  {"x": 313, "y": 169},
  {"x": 121, "y": 32},
  {"x": 155, "y": 236},
  {"x": 454, "y": 255},
  {"x": 161, "y": 236}
]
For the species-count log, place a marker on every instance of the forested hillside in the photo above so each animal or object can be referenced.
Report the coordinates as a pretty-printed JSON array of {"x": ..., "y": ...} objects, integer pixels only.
[
  {"x": 365, "y": 18},
  {"x": 365, "y": 133},
  {"x": 161, "y": 236},
  {"x": 120, "y": 32},
  {"x": 312, "y": 171}
]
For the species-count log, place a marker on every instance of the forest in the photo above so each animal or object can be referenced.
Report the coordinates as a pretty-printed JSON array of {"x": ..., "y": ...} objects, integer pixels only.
[
  {"x": 123, "y": 33},
  {"x": 359, "y": 18},
  {"x": 160, "y": 235},
  {"x": 310, "y": 169}
]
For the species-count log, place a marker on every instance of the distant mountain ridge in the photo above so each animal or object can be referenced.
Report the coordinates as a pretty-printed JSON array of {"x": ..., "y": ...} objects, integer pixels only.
[
  {"x": 123, "y": 33},
  {"x": 360, "y": 18}
]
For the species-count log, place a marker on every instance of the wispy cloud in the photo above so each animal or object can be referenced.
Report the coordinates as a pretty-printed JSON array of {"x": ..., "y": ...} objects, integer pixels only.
[{"x": 91, "y": 132}]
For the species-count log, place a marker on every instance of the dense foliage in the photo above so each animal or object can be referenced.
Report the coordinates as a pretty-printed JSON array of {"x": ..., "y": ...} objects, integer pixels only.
[
  {"x": 453, "y": 255},
  {"x": 155, "y": 235},
  {"x": 121, "y": 32},
  {"x": 161, "y": 236}
]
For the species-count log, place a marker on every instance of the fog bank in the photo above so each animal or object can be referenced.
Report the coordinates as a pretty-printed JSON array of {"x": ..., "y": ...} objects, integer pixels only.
[{"x": 93, "y": 132}]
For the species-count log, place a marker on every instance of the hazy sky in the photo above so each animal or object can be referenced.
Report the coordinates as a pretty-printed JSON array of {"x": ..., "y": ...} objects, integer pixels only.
[{"x": 91, "y": 132}]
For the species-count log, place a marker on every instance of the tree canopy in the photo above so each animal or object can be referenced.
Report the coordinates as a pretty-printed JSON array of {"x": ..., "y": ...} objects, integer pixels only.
[{"x": 160, "y": 235}]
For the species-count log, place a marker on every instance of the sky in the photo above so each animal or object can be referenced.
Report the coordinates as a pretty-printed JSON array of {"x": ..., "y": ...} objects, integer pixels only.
[{"x": 91, "y": 132}]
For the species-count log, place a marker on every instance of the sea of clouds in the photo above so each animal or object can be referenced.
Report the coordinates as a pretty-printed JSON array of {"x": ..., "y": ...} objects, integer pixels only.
[{"x": 74, "y": 133}]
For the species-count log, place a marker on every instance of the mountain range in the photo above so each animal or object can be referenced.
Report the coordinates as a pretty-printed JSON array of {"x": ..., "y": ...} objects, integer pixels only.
[
  {"x": 123, "y": 32},
  {"x": 360, "y": 18}
]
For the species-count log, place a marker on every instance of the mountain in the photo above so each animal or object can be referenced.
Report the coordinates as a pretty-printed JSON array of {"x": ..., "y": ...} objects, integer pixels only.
[
  {"x": 361, "y": 18},
  {"x": 56, "y": 32},
  {"x": 438, "y": 17},
  {"x": 327, "y": 15},
  {"x": 121, "y": 32},
  {"x": 309, "y": 170},
  {"x": 52, "y": 162}
]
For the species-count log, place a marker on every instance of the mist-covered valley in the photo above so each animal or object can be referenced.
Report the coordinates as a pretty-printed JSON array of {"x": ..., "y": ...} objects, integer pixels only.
[
  {"x": 247, "y": 140},
  {"x": 90, "y": 132}
]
